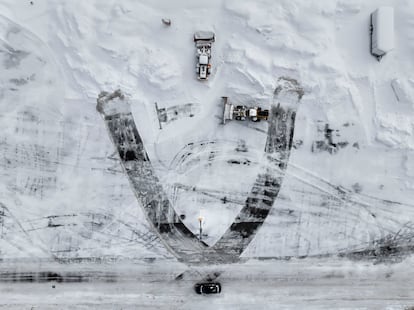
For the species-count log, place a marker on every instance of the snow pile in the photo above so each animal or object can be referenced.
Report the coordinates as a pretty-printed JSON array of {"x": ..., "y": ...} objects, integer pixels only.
[
  {"x": 395, "y": 115},
  {"x": 403, "y": 90}
]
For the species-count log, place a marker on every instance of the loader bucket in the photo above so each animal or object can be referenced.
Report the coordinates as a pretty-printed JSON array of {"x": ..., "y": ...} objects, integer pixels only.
[
  {"x": 207, "y": 36},
  {"x": 227, "y": 110}
]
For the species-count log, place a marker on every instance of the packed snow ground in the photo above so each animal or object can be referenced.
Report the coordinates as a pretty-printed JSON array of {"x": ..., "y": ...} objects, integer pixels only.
[
  {"x": 316, "y": 284},
  {"x": 64, "y": 194}
]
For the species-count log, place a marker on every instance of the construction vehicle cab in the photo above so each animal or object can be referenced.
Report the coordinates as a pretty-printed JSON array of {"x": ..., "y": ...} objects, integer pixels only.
[{"x": 262, "y": 114}]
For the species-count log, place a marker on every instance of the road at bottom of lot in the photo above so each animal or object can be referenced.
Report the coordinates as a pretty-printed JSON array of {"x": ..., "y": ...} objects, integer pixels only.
[{"x": 255, "y": 284}]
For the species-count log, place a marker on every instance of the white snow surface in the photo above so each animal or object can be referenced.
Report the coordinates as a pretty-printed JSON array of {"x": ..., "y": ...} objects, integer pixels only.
[{"x": 62, "y": 186}]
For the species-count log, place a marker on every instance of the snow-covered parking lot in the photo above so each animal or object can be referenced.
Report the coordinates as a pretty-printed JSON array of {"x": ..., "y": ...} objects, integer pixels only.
[{"x": 111, "y": 150}]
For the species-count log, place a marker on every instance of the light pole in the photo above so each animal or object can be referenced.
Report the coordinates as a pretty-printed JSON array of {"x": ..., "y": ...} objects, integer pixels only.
[{"x": 200, "y": 221}]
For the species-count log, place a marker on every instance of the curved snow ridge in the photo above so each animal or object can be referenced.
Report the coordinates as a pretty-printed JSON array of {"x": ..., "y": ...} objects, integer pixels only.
[
  {"x": 160, "y": 69},
  {"x": 283, "y": 27},
  {"x": 96, "y": 52},
  {"x": 29, "y": 69},
  {"x": 247, "y": 54}
]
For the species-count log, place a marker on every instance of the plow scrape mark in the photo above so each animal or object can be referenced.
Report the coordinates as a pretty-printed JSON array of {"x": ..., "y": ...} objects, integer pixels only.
[
  {"x": 392, "y": 248},
  {"x": 167, "y": 115},
  {"x": 56, "y": 277}
]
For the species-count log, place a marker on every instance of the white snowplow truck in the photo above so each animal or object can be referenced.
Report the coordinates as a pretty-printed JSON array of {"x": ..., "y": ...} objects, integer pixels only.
[
  {"x": 241, "y": 112},
  {"x": 203, "y": 41}
]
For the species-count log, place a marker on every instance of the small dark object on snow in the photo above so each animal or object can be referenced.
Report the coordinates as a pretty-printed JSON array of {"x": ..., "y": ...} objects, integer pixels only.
[
  {"x": 166, "y": 21},
  {"x": 208, "y": 288}
]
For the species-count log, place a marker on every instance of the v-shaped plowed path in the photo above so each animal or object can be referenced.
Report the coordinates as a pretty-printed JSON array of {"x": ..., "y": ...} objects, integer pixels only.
[{"x": 182, "y": 242}]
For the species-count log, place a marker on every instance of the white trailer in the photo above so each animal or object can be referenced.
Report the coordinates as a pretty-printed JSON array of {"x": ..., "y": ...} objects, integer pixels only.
[{"x": 382, "y": 31}]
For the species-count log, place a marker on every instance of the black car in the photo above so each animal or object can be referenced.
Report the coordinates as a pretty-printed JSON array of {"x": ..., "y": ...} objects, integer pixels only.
[{"x": 208, "y": 288}]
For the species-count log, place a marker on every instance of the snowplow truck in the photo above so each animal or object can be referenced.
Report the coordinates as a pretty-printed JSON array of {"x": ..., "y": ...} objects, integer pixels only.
[
  {"x": 203, "y": 41},
  {"x": 241, "y": 112}
]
